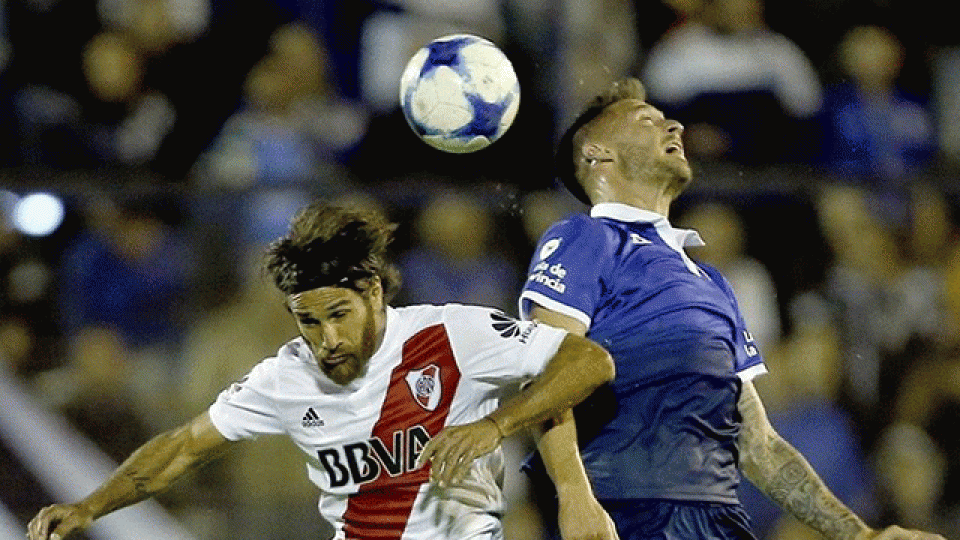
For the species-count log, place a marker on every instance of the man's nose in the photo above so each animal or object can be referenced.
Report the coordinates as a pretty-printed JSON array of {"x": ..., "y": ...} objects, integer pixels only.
[
  {"x": 330, "y": 336},
  {"x": 674, "y": 127}
]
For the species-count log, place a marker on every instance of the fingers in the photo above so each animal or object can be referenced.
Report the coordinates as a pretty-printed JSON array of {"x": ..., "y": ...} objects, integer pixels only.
[
  {"x": 452, "y": 452},
  {"x": 54, "y": 523},
  {"x": 451, "y": 457},
  {"x": 45, "y": 521},
  {"x": 39, "y": 525}
]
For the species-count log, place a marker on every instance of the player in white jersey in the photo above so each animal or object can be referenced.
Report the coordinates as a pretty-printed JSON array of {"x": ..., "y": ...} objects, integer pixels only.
[{"x": 368, "y": 392}]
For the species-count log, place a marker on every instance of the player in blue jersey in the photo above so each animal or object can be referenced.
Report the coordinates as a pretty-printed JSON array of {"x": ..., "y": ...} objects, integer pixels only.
[{"x": 660, "y": 452}]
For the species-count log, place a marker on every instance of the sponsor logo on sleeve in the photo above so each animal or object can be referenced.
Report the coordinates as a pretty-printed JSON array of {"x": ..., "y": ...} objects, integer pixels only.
[
  {"x": 749, "y": 345},
  {"x": 508, "y": 327},
  {"x": 549, "y": 275}
]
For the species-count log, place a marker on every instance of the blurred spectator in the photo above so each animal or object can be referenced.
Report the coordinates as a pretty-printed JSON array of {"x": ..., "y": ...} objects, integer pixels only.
[
  {"x": 135, "y": 118},
  {"x": 889, "y": 310},
  {"x": 912, "y": 472},
  {"x": 802, "y": 395},
  {"x": 263, "y": 484},
  {"x": 287, "y": 141},
  {"x": 876, "y": 133},
  {"x": 127, "y": 275},
  {"x": 922, "y": 445},
  {"x": 725, "y": 237},
  {"x": 743, "y": 91},
  {"x": 188, "y": 57},
  {"x": 157, "y": 25},
  {"x": 293, "y": 128},
  {"x": 93, "y": 391},
  {"x": 453, "y": 259},
  {"x": 116, "y": 121}
]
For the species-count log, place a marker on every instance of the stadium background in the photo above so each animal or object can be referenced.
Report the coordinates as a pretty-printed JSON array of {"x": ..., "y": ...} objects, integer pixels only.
[{"x": 179, "y": 135}]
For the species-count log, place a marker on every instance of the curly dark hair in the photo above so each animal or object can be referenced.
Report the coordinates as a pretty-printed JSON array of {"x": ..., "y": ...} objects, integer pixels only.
[
  {"x": 564, "y": 162},
  {"x": 328, "y": 245}
]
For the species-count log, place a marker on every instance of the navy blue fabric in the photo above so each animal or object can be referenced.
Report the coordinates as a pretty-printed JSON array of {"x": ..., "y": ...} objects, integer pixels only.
[
  {"x": 667, "y": 520},
  {"x": 666, "y": 427}
]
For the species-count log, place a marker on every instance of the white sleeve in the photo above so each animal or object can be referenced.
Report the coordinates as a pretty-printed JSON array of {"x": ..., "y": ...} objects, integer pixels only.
[
  {"x": 494, "y": 347},
  {"x": 244, "y": 410}
]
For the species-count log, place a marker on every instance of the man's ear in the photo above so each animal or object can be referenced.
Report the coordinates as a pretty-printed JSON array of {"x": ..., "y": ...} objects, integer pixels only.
[
  {"x": 594, "y": 153},
  {"x": 373, "y": 288}
]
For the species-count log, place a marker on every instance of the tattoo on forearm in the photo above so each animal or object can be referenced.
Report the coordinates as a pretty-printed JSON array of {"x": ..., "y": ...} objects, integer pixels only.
[
  {"x": 139, "y": 482},
  {"x": 781, "y": 472},
  {"x": 796, "y": 487}
]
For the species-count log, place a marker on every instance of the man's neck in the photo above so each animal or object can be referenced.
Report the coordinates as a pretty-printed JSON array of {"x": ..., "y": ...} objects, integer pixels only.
[
  {"x": 655, "y": 195},
  {"x": 652, "y": 201}
]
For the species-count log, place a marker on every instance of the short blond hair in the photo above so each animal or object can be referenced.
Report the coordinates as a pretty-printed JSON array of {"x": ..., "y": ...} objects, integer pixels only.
[{"x": 565, "y": 161}]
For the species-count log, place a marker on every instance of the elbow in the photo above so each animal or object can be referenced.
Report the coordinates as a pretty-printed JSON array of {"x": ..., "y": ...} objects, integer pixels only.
[
  {"x": 602, "y": 366},
  {"x": 587, "y": 365},
  {"x": 608, "y": 368}
]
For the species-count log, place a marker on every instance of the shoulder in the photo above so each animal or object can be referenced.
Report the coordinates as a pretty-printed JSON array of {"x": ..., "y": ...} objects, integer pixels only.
[
  {"x": 293, "y": 358},
  {"x": 410, "y": 320},
  {"x": 575, "y": 222},
  {"x": 293, "y": 352},
  {"x": 717, "y": 277},
  {"x": 578, "y": 228},
  {"x": 467, "y": 313}
]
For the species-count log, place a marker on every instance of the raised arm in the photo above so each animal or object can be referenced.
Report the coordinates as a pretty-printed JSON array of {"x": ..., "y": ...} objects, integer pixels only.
[
  {"x": 785, "y": 476},
  {"x": 149, "y": 470},
  {"x": 578, "y": 367},
  {"x": 579, "y": 513}
]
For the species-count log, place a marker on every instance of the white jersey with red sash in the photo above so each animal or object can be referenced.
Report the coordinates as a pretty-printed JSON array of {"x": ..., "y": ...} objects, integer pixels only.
[{"x": 437, "y": 366}]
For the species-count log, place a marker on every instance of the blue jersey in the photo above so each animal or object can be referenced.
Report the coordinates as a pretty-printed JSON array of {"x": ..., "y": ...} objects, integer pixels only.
[{"x": 680, "y": 345}]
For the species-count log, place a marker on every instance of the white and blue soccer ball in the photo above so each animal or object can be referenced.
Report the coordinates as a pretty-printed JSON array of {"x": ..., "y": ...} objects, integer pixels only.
[{"x": 459, "y": 93}]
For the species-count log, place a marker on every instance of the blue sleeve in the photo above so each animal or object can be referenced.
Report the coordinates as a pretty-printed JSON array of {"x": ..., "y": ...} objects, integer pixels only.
[
  {"x": 748, "y": 358},
  {"x": 564, "y": 273}
]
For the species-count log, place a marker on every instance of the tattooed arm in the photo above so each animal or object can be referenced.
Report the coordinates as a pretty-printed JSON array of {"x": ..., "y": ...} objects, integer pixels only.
[
  {"x": 782, "y": 473},
  {"x": 149, "y": 470}
]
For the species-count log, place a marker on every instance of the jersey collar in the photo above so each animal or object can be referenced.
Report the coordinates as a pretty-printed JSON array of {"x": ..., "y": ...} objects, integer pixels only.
[{"x": 632, "y": 214}]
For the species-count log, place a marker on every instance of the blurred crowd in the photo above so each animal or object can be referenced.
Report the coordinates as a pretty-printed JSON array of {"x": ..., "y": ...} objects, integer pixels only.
[{"x": 182, "y": 134}]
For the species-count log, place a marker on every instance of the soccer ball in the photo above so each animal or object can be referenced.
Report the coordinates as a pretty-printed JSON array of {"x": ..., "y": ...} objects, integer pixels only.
[{"x": 459, "y": 93}]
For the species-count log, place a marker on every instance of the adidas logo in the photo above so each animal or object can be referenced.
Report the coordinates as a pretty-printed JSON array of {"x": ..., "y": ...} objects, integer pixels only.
[{"x": 312, "y": 419}]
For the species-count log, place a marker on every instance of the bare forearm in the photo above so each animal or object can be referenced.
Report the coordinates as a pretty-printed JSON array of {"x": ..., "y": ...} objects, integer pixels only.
[
  {"x": 148, "y": 471},
  {"x": 578, "y": 369},
  {"x": 784, "y": 475},
  {"x": 789, "y": 480},
  {"x": 557, "y": 445}
]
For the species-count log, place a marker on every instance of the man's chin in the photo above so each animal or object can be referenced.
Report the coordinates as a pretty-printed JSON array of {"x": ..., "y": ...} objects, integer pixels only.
[
  {"x": 682, "y": 173},
  {"x": 342, "y": 373}
]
